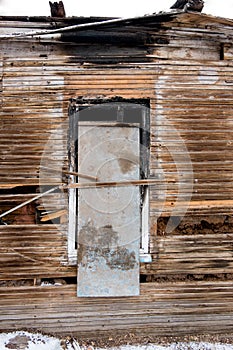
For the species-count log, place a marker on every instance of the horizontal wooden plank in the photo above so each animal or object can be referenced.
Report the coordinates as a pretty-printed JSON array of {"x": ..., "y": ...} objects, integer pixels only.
[
  {"x": 34, "y": 250},
  {"x": 191, "y": 254},
  {"x": 189, "y": 307}
]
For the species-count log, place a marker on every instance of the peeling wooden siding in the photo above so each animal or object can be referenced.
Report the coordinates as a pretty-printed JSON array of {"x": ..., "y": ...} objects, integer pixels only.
[
  {"x": 1, "y": 74},
  {"x": 162, "y": 309},
  {"x": 33, "y": 251},
  {"x": 194, "y": 105},
  {"x": 31, "y": 112},
  {"x": 191, "y": 254},
  {"x": 194, "y": 98}
]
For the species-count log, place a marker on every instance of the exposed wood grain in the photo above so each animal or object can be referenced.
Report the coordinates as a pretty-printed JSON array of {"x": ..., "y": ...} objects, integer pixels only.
[
  {"x": 191, "y": 254},
  {"x": 33, "y": 250},
  {"x": 85, "y": 176},
  {"x": 55, "y": 215},
  {"x": 194, "y": 307},
  {"x": 132, "y": 182}
]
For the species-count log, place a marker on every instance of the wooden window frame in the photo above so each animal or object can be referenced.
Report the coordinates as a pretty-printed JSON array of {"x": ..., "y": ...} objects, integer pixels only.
[{"x": 75, "y": 106}]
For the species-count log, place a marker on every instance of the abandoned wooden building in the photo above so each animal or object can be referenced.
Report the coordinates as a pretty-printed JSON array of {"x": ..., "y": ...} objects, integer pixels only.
[{"x": 116, "y": 174}]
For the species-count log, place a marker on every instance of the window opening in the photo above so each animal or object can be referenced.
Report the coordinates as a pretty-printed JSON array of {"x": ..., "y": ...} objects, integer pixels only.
[{"x": 126, "y": 112}]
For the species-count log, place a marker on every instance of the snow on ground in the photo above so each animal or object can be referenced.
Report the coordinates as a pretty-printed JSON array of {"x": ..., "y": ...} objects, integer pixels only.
[
  {"x": 35, "y": 341},
  {"x": 28, "y": 341},
  {"x": 179, "y": 346}
]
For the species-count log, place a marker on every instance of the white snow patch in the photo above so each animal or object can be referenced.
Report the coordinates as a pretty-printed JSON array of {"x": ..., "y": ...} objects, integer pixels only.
[
  {"x": 46, "y": 284},
  {"x": 34, "y": 341},
  {"x": 177, "y": 346}
]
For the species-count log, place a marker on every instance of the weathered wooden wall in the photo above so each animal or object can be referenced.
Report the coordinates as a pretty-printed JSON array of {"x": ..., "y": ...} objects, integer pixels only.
[
  {"x": 179, "y": 308},
  {"x": 191, "y": 100},
  {"x": 33, "y": 251}
]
